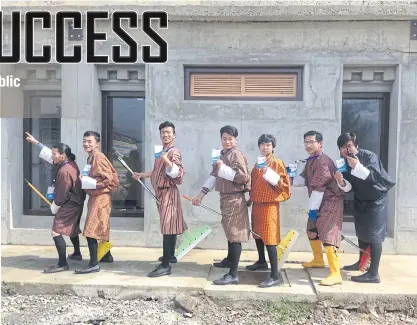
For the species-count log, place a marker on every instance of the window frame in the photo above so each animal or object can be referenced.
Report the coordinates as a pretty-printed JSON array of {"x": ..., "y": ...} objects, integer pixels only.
[
  {"x": 298, "y": 70},
  {"x": 28, "y": 149},
  {"x": 107, "y": 130},
  {"x": 384, "y": 137}
]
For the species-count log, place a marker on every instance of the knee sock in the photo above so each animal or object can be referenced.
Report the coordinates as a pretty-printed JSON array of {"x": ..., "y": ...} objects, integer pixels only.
[
  {"x": 273, "y": 260},
  {"x": 167, "y": 249},
  {"x": 174, "y": 244},
  {"x": 228, "y": 251},
  {"x": 376, "y": 252},
  {"x": 261, "y": 250},
  {"x": 235, "y": 251},
  {"x": 76, "y": 243},
  {"x": 61, "y": 247},
  {"x": 93, "y": 247}
]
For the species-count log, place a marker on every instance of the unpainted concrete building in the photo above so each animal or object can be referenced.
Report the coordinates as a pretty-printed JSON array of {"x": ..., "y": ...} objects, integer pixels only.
[{"x": 283, "y": 68}]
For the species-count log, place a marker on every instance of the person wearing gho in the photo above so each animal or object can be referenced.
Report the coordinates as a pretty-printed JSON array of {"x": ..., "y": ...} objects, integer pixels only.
[
  {"x": 325, "y": 206},
  {"x": 167, "y": 174},
  {"x": 68, "y": 200},
  {"x": 99, "y": 179},
  {"x": 230, "y": 176},
  {"x": 270, "y": 186},
  {"x": 370, "y": 186}
]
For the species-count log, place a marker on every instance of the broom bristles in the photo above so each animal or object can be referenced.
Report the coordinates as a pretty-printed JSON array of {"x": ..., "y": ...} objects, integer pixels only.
[{"x": 365, "y": 260}]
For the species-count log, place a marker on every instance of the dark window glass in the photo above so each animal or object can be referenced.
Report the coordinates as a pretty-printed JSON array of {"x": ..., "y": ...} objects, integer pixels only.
[
  {"x": 45, "y": 126},
  {"x": 123, "y": 131},
  {"x": 367, "y": 115}
]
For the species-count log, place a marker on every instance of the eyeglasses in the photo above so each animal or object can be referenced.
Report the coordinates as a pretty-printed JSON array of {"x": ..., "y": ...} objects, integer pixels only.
[{"x": 309, "y": 142}]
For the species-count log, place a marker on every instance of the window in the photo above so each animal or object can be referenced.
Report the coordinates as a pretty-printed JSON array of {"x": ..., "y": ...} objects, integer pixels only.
[
  {"x": 44, "y": 123},
  {"x": 243, "y": 84},
  {"x": 123, "y": 131},
  {"x": 367, "y": 115}
]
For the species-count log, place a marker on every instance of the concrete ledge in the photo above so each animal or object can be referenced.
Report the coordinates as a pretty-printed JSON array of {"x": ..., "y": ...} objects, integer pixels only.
[
  {"x": 243, "y": 10},
  {"x": 127, "y": 278}
]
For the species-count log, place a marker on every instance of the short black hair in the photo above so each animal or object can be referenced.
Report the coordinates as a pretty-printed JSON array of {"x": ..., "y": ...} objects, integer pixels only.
[
  {"x": 267, "y": 138},
  {"x": 229, "y": 130},
  {"x": 317, "y": 135},
  {"x": 92, "y": 134},
  {"x": 344, "y": 138},
  {"x": 167, "y": 124}
]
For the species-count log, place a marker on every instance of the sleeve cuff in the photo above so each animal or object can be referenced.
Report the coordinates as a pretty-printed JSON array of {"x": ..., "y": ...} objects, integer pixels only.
[
  {"x": 315, "y": 200},
  {"x": 46, "y": 154},
  {"x": 210, "y": 183},
  {"x": 227, "y": 172},
  {"x": 360, "y": 171},
  {"x": 173, "y": 173},
  {"x": 345, "y": 188},
  {"x": 271, "y": 177},
  {"x": 299, "y": 181},
  {"x": 54, "y": 208},
  {"x": 88, "y": 183}
]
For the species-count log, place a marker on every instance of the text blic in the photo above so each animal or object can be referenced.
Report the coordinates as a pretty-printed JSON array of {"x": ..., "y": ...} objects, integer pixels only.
[{"x": 91, "y": 36}]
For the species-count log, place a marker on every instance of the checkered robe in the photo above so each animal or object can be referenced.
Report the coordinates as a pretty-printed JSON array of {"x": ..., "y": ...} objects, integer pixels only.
[
  {"x": 319, "y": 176},
  {"x": 266, "y": 199}
]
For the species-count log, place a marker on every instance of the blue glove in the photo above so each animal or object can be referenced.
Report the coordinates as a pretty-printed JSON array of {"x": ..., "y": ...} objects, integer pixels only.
[{"x": 312, "y": 215}]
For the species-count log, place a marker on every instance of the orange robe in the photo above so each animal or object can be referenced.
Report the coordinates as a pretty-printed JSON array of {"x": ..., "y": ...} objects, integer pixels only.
[
  {"x": 266, "y": 199},
  {"x": 97, "y": 223}
]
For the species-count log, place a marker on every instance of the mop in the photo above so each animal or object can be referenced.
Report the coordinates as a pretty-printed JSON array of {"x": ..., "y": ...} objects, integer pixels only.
[
  {"x": 283, "y": 248},
  {"x": 103, "y": 247},
  {"x": 191, "y": 238}
]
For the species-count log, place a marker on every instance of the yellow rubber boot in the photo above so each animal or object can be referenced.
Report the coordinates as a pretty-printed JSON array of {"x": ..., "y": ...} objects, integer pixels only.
[
  {"x": 317, "y": 261},
  {"x": 335, "y": 277}
]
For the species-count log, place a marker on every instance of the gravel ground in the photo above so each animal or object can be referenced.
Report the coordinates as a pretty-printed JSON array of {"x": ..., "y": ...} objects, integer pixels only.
[{"x": 65, "y": 310}]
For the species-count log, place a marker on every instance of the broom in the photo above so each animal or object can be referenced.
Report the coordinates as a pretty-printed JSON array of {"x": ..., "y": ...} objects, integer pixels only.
[
  {"x": 103, "y": 247},
  {"x": 191, "y": 238}
]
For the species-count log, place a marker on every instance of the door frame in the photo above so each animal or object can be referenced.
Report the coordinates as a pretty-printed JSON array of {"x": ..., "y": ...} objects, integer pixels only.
[{"x": 107, "y": 126}]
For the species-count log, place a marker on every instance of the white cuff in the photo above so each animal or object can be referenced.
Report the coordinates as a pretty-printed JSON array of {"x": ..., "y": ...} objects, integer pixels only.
[
  {"x": 345, "y": 188},
  {"x": 298, "y": 181},
  {"x": 315, "y": 200},
  {"x": 173, "y": 173},
  {"x": 360, "y": 171},
  {"x": 88, "y": 183},
  {"x": 46, "y": 154},
  {"x": 271, "y": 177},
  {"x": 54, "y": 208},
  {"x": 227, "y": 172},
  {"x": 210, "y": 182}
]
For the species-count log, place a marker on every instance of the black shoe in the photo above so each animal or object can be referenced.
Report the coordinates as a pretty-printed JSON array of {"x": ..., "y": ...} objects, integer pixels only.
[
  {"x": 258, "y": 266},
  {"x": 160, "y": 271},
  {"x": 88, "y": 269},
  {"x": 172, "y": 260},
  {"x": 227, "y": 279},
  {"x": 107, "y": 259},
  {"x": 56, "y": 269},
  {"x": 353, "y": 267},
  {"x": 271, "y": 282},
  {"x": 366, "y": 278},
  {"x": 75, "y": 257},
  {"x": 225, "y": 264}
]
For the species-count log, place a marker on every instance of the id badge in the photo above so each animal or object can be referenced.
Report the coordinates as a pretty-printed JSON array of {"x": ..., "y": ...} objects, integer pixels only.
[
  {"x": 50, "y": 193},
  {"x": 158, "y": 151},
  {"x": 261, "y": 162},
  {"x": 292, "y": 170},
  {"x": 86, "y": 170}
]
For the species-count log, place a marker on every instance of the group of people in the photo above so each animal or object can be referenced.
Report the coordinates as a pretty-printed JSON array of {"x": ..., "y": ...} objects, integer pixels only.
[{"x": 264, "y": 188}]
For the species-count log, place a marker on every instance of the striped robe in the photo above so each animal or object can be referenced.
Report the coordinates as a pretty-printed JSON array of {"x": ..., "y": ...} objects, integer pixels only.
[
  {"x": 266, "y": 199},
  {"x": 233, "y": 205},
  {"x": 319, "y": 176},
  {"x": 166, "y": 191},
  {"x": 97, "y": 223}
]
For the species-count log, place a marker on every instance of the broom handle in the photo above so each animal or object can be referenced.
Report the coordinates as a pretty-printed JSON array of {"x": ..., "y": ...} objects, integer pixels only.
[
  {"x": 354, "y": 245},
  {"x": 210, "y": 209},
  {"x": 37, "y": 192},
  {"x": 141, "y": 183}
]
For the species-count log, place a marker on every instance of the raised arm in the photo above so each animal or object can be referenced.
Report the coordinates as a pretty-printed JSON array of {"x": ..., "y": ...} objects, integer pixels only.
[
  {"x": 278, "y": 178},
  {"x": 238, "y": 171},
  {"x": 45, "y": 152},
  {"x": 322, "y": 176}
]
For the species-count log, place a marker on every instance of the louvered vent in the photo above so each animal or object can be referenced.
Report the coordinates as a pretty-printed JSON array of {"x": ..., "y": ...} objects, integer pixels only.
[{"x": 243, "y": 85}]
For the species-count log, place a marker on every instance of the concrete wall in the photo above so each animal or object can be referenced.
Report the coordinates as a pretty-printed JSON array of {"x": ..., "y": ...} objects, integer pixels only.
[{"x": 323, "y": 48}]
